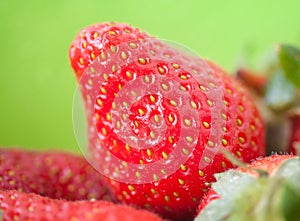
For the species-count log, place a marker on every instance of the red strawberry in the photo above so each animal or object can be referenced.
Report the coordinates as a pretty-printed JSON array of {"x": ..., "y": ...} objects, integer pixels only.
[
  {"x": 158, "y": 117},
  {"x": 294, "y": 142},
  {"x": 52, "y": 174},
  {"x": 236, "y": 187},
  {"x": 27, "y": 206}
]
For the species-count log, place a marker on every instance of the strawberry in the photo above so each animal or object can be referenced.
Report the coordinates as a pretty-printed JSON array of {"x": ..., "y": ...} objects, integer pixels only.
[
  {"x": 158, "y": 117},
  {"x": 259, "y": 191},
  {"x": 294, "y": 141},
  {"x": 51, "y": 174},
  {"x": 28, "y": 206}
]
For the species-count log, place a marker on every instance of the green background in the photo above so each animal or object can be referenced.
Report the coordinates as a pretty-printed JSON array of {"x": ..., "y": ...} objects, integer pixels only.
[{"x": 37, "y": 83}]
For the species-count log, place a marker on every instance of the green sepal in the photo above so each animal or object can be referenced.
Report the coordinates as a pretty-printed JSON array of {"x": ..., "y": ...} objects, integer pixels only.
[
  {"x": 280, "y": 92},
  {"x": 290, "y": 204},
  {"x": 289, "y": 58},
  {"x": 234, "y": 182}
]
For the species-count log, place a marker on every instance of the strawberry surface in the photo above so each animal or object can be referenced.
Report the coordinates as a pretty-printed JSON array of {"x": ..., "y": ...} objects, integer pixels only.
[
  {"x": 159, "y": 116},
  {"x": 52, "y": 174},
  {"x": 28, "y": 206}
]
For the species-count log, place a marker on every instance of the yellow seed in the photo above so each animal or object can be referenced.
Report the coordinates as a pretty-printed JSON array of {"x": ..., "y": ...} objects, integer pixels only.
[
  {"x": 164, "y": 87},
  {"x": 173, "y": 103},
  {"x": 152, "y": 98},
  {"x": 238, "y": 153},
  {"x": 81, "y": 61},
  {"x": 132, "y": 45},
  {"x": 113, "y": 48},
  {"x": 136, "y": 123},
  {"x": 170, "y": 118},
  {"x": 142, "y": 162},
  {"x": 223, "y": 116},
  {"x": 209, "y": 103},
  {"x": 176, "y": 66},
  {"x": 176, "y": 194},
  {"x": 210, "y": 143},
  {"x": 103, "y": 56},
  {"x": 207, "y": 159},
  {"x": 170, "y": 139},
  {"x": 163, "y": 172},
  {"x": 149, "y": 152},
  {"x": 187, "y": 122},
  {"x": 182, "y": 88},
  {"x": 223, "y": 164},
  {"x": 138, "y": 174},
  {"x": 113, "y": 68},
  {"x": 96, "y": 35},
  {"x": 225, "y": 129},
  {"x": 167, "y": 199},
  {"x": 183, "y": 77},
  {"x": 142, "y": 60},
  {"x": 152, "y": 134},
  {"x": 128, "y": 74},
  {"x": 84, "y": 44},
  {"x": 252, "y": 127},
  {"x": 105, "y": 76},
  {"x": 185, "y": 151},
  {"x": 202, "y": 88},
  {"x": 147, "y": 79},
  {"x": 242, "y": 140},
  {"x": 164, "y": 155},
  {"x": 11, "y": 173},
  {"x": 127, "y": 147},
  {"x": 189, "y": 139},
  {"x": 141, "y": 111},
  {"x": 153, "y": 191},
  {"x": 104, "y": 132},
  {"x": 182, "y": 167},
  {"x": 112, "y": 33},
  {"x": 201, "y": 173},
  {"x": 239, "y": 122},
  {"x": 131, "y": 188},
  {"x": 194, "y": 105},
  {"x": 224, "y": 142},
  {"x": 155, "y": 177},
  {"x": 161, "y": 70},
  {"x": 114, "y": 105},
  {"x": 156, "y": 118},
  {"x": 241, "y": 108},
  {"x": 205, "y": 124},
  {"x": 103, "y": 90},
  {"x": 118, "y": 124},
  {"x": 93, "y": 56},
  {"x": 181, "y": 182}
]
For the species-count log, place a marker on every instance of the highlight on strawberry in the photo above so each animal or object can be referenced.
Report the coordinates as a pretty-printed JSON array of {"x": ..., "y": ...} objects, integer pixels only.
[{"x": 158, "y": 117}]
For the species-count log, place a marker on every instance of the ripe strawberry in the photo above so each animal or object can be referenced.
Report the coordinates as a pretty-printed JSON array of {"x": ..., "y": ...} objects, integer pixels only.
[
  {"x": 51, "y": 174},
  {"x": 250, "y": 194},
  {"x": 28, "y": 206},
  {"x": 294, "y": 142},
  {"x": 158, "y": 117}
]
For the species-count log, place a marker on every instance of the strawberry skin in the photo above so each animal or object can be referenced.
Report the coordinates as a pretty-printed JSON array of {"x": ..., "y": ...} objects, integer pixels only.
[
  {"x": 268, "y": 164},
  {"x": 28, "y": 206},
  {"x": 52, "y": 174},
  {"x": 206, "y": 100}
]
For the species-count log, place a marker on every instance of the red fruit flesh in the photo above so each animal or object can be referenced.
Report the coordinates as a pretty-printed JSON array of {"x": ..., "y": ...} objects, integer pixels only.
[
  {"x": 51, "y": 174},
  {"x": 27, "y": 206},
  {"x": 189, "y": 96},
  {"x": 268, "y": 164}
]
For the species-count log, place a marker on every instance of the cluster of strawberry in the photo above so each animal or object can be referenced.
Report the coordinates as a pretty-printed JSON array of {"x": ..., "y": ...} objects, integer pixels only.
[{"x": 163, "y": 127}]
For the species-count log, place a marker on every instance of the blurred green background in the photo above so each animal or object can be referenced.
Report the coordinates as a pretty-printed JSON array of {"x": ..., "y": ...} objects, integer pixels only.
[{"x": 37, "y": 83}]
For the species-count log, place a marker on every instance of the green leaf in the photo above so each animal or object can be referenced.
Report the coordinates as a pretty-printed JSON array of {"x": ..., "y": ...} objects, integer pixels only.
[
  {"x": 279, "y": 91},
  {"x": 290, "y": 171},
  {"x": 290, "y": 203},
  {"x": 289, "y": 58}
]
